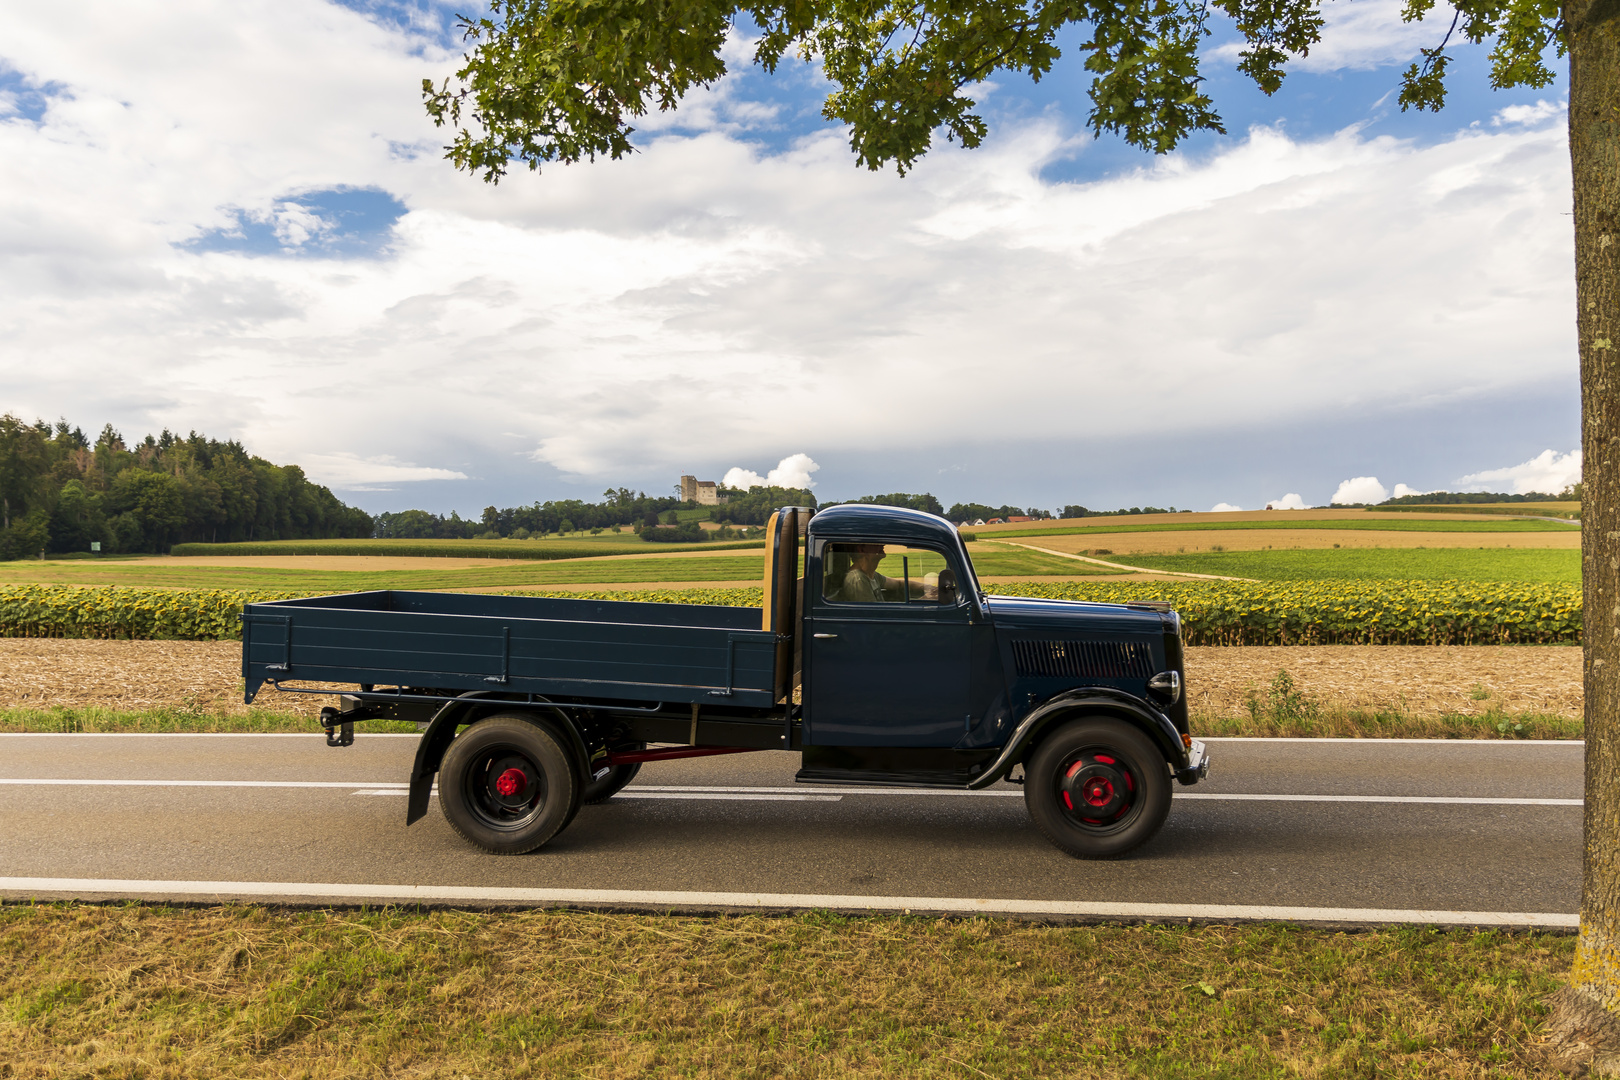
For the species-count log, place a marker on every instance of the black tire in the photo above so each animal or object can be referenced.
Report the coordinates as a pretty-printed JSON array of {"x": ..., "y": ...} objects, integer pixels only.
[
  {"x": 507, "y": 785},
  {"x": 600, "y": 791},
  {"x": 1097, "y": 788}
]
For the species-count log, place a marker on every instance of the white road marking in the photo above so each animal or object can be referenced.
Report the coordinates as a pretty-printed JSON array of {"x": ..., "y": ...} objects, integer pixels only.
[
  {"x": 99, "y": 782},
  {"x": 784, "y": 794},
  {"x": 658, "y": 899},
  {"x": 314, "y": 732},
  {"x": 729, "y": 796},
  {"x": 1429, "y": 799},
  {"x": 1357, "y": 742},
  {"x": 713, "y": 796},
  {"x": 416, "y": 735}
]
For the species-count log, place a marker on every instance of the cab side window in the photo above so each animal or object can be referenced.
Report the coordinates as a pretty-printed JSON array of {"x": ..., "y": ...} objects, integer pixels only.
[{"x": 885, "y": 574}]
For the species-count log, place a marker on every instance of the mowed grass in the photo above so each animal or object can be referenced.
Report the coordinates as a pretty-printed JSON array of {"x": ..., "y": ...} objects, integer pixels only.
[
  {"x": 239, "y": 991},
  {"x": 1406, "y": 564},
  {"x": 176, "y": 573}
]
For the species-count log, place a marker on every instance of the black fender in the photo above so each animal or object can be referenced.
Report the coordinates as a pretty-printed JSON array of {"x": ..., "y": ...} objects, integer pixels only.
[
  {"x": 1091, "y": 701},
  {"x": 469, "y": 708}
]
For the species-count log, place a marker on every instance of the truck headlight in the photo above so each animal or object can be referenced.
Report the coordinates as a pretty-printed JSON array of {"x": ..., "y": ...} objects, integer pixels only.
[{"x": 1167, "y": 684}]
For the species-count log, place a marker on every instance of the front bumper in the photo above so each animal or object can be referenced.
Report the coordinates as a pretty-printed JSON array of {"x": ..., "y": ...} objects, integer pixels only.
[{"x": 1197, "y": 764}]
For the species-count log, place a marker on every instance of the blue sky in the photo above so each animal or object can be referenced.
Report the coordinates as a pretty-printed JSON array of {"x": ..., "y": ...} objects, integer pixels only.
[{"x": 236, "y": 219}]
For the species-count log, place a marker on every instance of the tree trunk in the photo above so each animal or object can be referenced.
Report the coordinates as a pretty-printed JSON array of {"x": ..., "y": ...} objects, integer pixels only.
[{"x": 1585, "y": 1025}]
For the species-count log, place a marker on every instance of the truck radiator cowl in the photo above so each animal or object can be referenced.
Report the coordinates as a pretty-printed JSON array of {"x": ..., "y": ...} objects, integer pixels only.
[{"x": 1082, "y": 659}]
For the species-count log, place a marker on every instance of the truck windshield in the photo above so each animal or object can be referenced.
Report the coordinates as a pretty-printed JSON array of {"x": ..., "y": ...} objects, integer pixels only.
[{"x": 886, "y": 574}]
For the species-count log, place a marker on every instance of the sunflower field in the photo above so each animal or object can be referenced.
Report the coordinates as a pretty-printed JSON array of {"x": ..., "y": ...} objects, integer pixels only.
[{"x": 1212, "y": 612}]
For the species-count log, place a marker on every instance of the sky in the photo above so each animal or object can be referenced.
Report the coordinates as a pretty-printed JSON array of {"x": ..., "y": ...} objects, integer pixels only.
[{"x": 237, "y": 219}]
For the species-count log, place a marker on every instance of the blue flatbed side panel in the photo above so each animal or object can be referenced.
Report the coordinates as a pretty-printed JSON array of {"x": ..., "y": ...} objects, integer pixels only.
[{"x": 603, "y": 649}]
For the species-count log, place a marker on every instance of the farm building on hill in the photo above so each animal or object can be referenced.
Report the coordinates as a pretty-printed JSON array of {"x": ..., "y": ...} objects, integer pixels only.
[{"x": 702, "y": 492}]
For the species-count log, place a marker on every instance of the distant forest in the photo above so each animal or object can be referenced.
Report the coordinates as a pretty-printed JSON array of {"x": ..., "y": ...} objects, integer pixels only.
[
  {"x": 1442, "y": 498},
  {"x": 61, "y": 492},
  {"x": 660, "y": 518}
]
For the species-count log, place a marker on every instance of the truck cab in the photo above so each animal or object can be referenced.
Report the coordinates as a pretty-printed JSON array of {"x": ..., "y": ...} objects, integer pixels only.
[{"x": 876, "y": 655}]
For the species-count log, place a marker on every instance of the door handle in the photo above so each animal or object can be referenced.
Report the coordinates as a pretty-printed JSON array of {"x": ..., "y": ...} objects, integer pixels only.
[{"x": 824, "y": 635}]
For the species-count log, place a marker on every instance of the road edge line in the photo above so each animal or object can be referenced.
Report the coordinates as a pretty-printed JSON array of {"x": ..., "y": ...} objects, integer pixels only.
[{"x": 439, "y": 895}]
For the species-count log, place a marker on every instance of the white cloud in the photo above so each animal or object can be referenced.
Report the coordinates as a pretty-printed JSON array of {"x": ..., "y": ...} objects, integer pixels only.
[
  {"x": 1538, "y": 113},
  {"x": 1359, "y": 35},
  {"x": 350, "y": 472},
  {"x": 1224, "y": 508},
  {"x": 792, "y": 471},
  {"x": 1547, "y": 471},
  {"x": 295, "y": 225},
  {"x": 1290, "y": 501},
  {"x": 602, "y": 311},
  {"x": 1402, "y": 491},
  {"x": 1360, "y": 489}
]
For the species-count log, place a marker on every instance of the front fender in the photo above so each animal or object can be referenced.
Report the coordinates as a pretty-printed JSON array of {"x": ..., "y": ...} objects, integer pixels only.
[{"x": 1093, "y": 700}]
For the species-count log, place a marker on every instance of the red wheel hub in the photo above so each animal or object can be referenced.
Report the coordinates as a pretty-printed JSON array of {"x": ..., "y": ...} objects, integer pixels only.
[
  {"x": 511, "y": 782},
  {"x": 1097, "y": 789}
]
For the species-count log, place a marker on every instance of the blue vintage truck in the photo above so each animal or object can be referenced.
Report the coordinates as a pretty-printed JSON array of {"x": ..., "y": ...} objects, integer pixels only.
[{"x": 876, "y": 656}]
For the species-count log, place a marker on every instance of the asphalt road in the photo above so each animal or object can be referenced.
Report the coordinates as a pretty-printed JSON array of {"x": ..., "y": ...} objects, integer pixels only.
[{"x": 1331, "y": 829}]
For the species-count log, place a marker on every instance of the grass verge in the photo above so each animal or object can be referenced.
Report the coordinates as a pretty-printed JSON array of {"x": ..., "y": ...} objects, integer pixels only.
[
  {"x": 1305, "y": 721},
  {"x": 156, "y": 721},
  {"x": 158, "y": 992}
]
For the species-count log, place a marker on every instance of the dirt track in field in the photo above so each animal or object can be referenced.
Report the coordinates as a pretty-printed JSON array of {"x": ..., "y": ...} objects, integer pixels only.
[{"x": 205, "y": 676}]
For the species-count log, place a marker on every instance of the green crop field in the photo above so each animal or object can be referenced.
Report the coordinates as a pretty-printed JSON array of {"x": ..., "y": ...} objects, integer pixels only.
[
  {"x": 524, "y": 573},
  {"x": 570, "y": 547},
  {"x": 743, "y": 567},
  {"x": 1285, "y": 521},
  {"x": 1381, "y": 564}
]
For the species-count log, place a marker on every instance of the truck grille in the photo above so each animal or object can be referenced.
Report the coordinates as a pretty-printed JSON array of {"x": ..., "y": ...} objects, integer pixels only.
[{"x": 1083, "y": 659}]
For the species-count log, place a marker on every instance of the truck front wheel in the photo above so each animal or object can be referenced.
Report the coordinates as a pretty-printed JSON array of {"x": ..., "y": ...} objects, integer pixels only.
[
  {"x": 1097, "y": 788},
  {"x": 507, "y": 785}
]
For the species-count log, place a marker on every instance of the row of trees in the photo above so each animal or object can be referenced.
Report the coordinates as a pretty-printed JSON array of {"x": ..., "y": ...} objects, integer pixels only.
[
  {"x": 1572, "y": 493},
  {"x": 968, "y": 512},
  {"x": 61, "y": 492}
]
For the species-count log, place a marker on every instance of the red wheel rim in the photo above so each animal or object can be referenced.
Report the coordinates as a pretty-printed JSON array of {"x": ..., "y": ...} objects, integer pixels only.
[{"x": 1097, "y": 790}]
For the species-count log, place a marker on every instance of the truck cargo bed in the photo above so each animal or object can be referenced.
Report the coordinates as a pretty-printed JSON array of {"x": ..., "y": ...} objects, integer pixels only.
[{"x": 557, "y": 647}]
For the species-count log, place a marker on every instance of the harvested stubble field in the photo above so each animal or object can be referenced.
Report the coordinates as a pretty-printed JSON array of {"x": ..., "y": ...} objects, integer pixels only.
[
  {"x": 1192, "y": 541},
  {"x": 1439, "y": 690},
  {"x": 244, "y": 991}
]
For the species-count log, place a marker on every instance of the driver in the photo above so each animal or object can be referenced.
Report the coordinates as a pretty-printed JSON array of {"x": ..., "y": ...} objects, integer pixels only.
[{"x": 863, "y": 583}]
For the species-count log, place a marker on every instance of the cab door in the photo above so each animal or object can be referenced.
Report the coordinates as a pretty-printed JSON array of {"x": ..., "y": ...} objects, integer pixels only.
[{"x": 890, "y": 649}]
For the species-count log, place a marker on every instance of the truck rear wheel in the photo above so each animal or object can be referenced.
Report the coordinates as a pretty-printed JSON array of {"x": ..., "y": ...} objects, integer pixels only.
[
  {"x": 1097, "y": 788},
  {"x": 507, "y": 785}
]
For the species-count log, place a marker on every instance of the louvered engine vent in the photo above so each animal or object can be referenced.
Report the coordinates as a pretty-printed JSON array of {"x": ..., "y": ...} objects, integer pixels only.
[{"x": 1083, "y": 659}]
